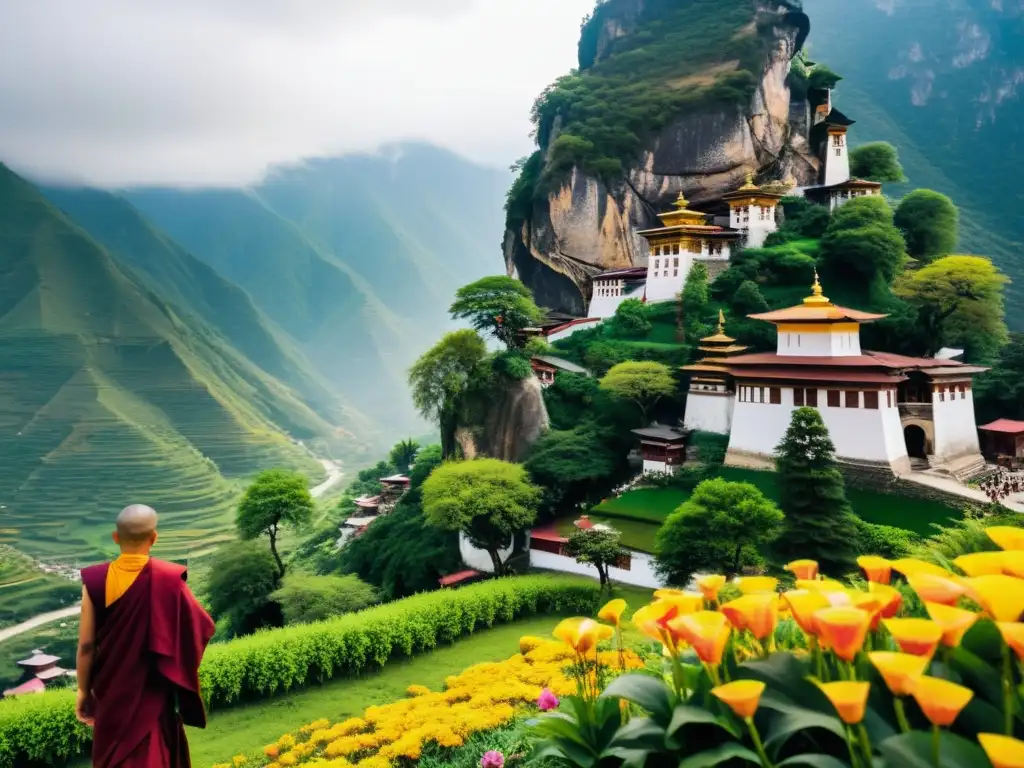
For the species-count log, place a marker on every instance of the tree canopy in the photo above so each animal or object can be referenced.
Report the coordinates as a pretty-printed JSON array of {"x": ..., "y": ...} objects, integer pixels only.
[
  {"x": 929, "y": 222},
  {"x": 488, "y": 500},
  {"x": 276, "y": 499},
  {"x": 630, "y": 319},
  {"x": 644, "y": 383},
  {"x": 999, "y": 393},
  {"x": 239, "y": 587},
  {"x": 573, "y": 465},
  {"x": 877, "y": 161},
  {"x": 307, "y": 597},
  {"x": 597, "y": 547},
  {"x": 498, "y": 305},
  {"x": 403, "y": 454},
  {"x": 694, "y": 301},
  {"x": 862, "y": 246}
]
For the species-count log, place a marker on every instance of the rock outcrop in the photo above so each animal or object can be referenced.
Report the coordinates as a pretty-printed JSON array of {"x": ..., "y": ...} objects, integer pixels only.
[
  {"x": 586, "y": 226},
  {"x": 515, "y": 422}
]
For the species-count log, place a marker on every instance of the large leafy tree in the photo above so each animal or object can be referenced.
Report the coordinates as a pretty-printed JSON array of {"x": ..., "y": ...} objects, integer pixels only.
[
  {"x": 720, "y": 528},
  {"x": 403, "y": 454},
  {"x": 486, "y": 499},
  {"x": 574, "y": 465},
  {"x": 812, "y": 493},
  {"x": 307, "y": 597},
  {"x": 959, "y": 300},
  {"x": 877, "y": 161},
  {"x": 999, "y": 393},
  {"x": 277, "y": 499},
  {"x": 238, "y": 589},
  {"x": 498, "y": 305},
  {"x": 693, "y": 304},
  {"x": 643, "y": 383},
  {"x": 597, "y": 547},
  {"x": 862, "y": 246},
  {"x": 442, "y": 378},
  {"x": 630, "y": 320},
  {"x": 929, "y": 222}
]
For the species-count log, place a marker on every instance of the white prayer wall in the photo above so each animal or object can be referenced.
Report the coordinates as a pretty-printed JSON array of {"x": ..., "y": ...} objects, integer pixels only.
[
  {"x": 710, "y": 412},
  {"x": 640, "y": 574},
  {"x": 955, "y": 431}
]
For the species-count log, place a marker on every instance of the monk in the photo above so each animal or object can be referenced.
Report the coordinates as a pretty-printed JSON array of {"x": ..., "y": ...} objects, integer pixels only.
[{"x": 141, "y": 638}]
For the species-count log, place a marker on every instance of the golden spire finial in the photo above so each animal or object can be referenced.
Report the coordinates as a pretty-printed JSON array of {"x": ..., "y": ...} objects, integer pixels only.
[
  {"x": 721, "y": 321},
  {"x": 816, "y": 288},
  {"x": 750, "y": 182},
  {"x": 681, "y": 202},
  {"x": 817, "y": 293}
]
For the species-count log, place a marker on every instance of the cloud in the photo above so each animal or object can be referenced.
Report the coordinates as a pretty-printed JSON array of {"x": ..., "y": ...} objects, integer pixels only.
[{"x": 192, "y": 92}]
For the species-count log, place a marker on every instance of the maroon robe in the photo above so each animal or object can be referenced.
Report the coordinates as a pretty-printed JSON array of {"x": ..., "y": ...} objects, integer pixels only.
[{"x": 145, "y": 673}]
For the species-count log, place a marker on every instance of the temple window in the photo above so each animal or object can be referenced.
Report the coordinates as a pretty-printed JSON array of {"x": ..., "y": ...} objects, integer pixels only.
[
  {"x": 852, "y": 399},
  {"x": 798, "y": 397},
  {"x": 775, "y": 395},
  {"x": 675, "y": 250},
  {"x": 675, "y": 273},
  {"x": 871, "y": 400},
  {"x": 888, "y": 398},
  {"x": 833, "y": 398},
  {"x": 675, "y": 262},
  {"x": 811, "y": 395},
  {"x": 657, "y": 263}
]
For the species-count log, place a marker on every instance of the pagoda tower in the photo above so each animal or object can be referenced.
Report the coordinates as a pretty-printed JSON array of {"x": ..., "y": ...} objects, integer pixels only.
[
  {"x": 709, "y": 404},
  {"x": 752, "y": 211}
]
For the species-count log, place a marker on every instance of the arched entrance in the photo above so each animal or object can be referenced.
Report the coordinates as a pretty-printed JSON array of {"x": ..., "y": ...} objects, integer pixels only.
[{"x": 917, "y": 441}]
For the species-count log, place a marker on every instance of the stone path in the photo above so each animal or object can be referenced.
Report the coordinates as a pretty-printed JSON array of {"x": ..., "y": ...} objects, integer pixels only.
[{"x": 952, "y": 486}]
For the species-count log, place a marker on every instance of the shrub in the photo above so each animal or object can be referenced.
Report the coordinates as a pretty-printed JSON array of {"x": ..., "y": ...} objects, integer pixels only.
[
  {"x": 40, "y": 730},
  {"x": 884, "y": 540},
  {"x": 306, "y": 597}
]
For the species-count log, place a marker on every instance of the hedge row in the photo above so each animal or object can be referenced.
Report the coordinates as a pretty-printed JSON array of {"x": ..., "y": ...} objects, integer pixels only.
[{"x": 42, "y": 728}]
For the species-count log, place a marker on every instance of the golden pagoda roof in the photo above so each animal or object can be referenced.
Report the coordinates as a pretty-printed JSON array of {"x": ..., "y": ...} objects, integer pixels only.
[
  {"x": 682, "y": 215},
  {"x": 720, "y": 333},
  {"x": 751, "y": 190},
  {"x": 817, "y": 308}
]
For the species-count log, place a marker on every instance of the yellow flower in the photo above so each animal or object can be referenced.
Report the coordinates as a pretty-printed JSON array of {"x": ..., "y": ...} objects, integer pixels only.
[
  {"x": 890, "y": 597},
  {"x": 940, "y": 700},
  {"x": 1002, "y": 751},
  {"x": 684, "y": 602},
  {"x": 707, "y": 632},
  {"x": 238, "y": 761},
  {"x": 756, "y": 585},
  {"x": 936, "y": 589},
  {"x": 612, "y": 611},
  {"x": 742, "y": 696},
  {"x": 1001, "y": 596},
  {"x": 803, "y": 604},
  {"x": 843, "y": 630},
  {"x": 528, "y": 642},
  {"x": 954, "y": 622},
  {"x": 901, "y": 671},
  {"x": 1006, "y": 536},
  {"x": 710, "y": 586},
  {"x": 288, "y": 759},
  {"x": 582, "y": 635},
  {"x": 803, "y": 569},
  {"x": 980, "y": 563},
  {"x": 876, "y": 569},
  {"x": 868, "y": 602},
  {"x": 849, "y": 699},
  {"x": 417, "y": 690},
  {"x": 1013, "y": 636},
  {"x": 757, "y": 613},
  {"x": 910, "y": 566},
  {"x": 917, "y": 636},
  {"x": 820, "y": 585},
  {"x": 653, "y": 620},
  {"x": 1013, "y": 563}
]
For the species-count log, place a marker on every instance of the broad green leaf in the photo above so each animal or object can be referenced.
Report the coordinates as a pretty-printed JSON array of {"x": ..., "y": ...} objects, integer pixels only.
[
  {"x": 812, "y": 761},
  {"x": 648, "y": 692},
  {"x": 783, "y": 727},
  {"x": 564, "y": 751},
  {"x": 983, "y": 678},
  {"x": 640, "y": 733},
  {"x": 914, "y": 750},
  {"x": 561, "y": 729},
  {"x": 631, "y": 758},
  {"x": 687, "y": 715},
  {"x": 783, "y": 672},
  {"x": 984, "y": 641},
  {"x": 719, "y": 755}
]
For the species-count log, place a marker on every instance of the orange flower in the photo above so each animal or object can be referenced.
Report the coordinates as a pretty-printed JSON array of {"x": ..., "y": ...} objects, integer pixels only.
[
  {"x": 756, "y": 585},
  {"x": 910, "y": 566},
  {"x": 582, "y": 635},
  {"x": 843, "y": 630},
  {"x": 757, "y": 613},
  {"x": 1013, "y": 636},
  {"x": 1006, "y": 536},
  {"x": 684, "y": 602},
  {"x": 936, "y": 589},
  {"x": 612, "y": 611},
  {"x": 980, "y": 563},
  {"x": 707, "y": 632},
  {"x": 876, "y": 569},
  {"x": 917, "y": 636},
  {"x": 954, "y": 622},
  {"x": 710, "y": 586},
  {"x": 901, "y": 671},
  {"x": 849, "y": 699},
  {"x": 870, "y": 603},
  {"x": 653, "y": 621},
  {"x": 1001, "y": 596},
  {"x": 820, "y": 585},
  {"x": 742, "y": 696},
  {"x": 271, "y": 751},
  {"x": 803, "y": 605},
  {"x": 803, "y": 569},
  {"x": 1003, "y": 751},
  {"x": 890, "y": 597},
  {"x": 940, "y": 700}
]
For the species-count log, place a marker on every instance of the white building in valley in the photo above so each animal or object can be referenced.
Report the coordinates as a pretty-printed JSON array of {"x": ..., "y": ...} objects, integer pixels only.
[
  {"x": 836, "y": 186},
  {"x": 752, "y": 211},
  {"x": 881, "y": 409}
]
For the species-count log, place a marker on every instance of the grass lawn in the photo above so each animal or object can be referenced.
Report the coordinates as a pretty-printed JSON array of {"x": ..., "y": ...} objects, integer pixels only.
[
  {"x": 651, "y": 505},
  {"x": 636, "y": 534}
]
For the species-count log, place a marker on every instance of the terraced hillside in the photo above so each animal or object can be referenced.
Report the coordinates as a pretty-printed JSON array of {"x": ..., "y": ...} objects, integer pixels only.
[
  {"x": 25, "y": 591},
  {"x": 109, "y": 395}
]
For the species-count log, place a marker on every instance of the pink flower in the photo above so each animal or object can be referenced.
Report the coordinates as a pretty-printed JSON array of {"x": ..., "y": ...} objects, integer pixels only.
[
  {"x": 547, "y": 700},
  {"x": 492, "y": 759}
]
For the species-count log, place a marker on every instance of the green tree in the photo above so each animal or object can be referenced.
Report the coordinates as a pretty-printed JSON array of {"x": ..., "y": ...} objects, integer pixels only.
[
  {"x": 239, "y": 587},
  {"x": 573, "y": 465},
  {"x": 999, "y": 393},
  {"x": 644, "y": 383},
  {"x": 630, "y": 320},
  {"x": 748, "y": 299},
  {"x": 821, "y": 76},
  {"x": 693, "y": 302},
  {"x": 862, "y": 247},
  {"x": 488, "y": 500},
  {"x": 877, "y": 161},
  {"x": 404, "y": 454},
  {"x": 959, "y": 300},
  {"x": 306, "y": 597},
  {"x": 441, "y": 379},
  {"x": 720, "y": 527},
  {"x": 929, "y": 222},
  {"x": 812, "y": 494},
  {"x": 275, "y": 500},
  {"x": 597, "y": 547},
  {"x": 498, "y": 305}
]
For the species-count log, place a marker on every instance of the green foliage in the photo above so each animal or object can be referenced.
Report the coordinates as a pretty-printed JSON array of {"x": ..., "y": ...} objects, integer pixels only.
[
  {"x": 959, "y": 300},
  {"x": 599, "y": 548},
  {"x": 801, "y": 219},
  {"x": 27, "y": 591},
  {"x": 862, "y": 246},
  {"x": 522, "y": 194},
  {"x": 821, "y": 77},
  {"x": 575, "y": 465},
  {"x": 962, "y": 537},
  {"x": 238, "y": 590},
  {"x": 40, "y": 730},
  {"x": 819, "y": 523},
  {"x": 929, "y": 222},
  {"x": 877, "y": 161},
  {"x": 884, "y": 540},
  {"x": 630, "y": 320},
  {"x": 512, "y": 364},
  {"x": 538, "y": 346},
  {"x": 717, "y": 529},
  {"x": 488, "y": 500},
  {"x": 748, "y": 299},
  {"x": 710, "y": 447},
  {"x": 498, "y": 305},
  {"x": 307, "y": 597},
  {"x": 570, "y": 399},
  {"x": 999, "y": 392},
  {"x": 403, "y": 455},
  {"x": 694, "y": 302},
  {"x": 276, "y": 499},
  {"x": 640, "y": 382}
]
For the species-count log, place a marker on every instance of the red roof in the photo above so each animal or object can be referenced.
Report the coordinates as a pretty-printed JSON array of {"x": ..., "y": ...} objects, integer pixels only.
[
  {"x": 820, "y": 374},
  {"x": 866, "y": 360},
  {"x": 457, "y": 578},
  {"x": 1008, "y": 426},
  {"x": 570, "y": 324},
  {"x": 547, "y": 534},
  {"x": 35, "y": 685}
]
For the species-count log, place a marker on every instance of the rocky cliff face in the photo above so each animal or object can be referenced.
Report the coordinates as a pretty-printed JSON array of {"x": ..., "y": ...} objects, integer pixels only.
[
  {"x": 515, "y": 422},
  {"x": 586, "y": 224}
]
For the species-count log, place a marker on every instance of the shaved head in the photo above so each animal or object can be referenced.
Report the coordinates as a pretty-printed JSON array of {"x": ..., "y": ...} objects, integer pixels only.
[{"x": 136, "y": 524}]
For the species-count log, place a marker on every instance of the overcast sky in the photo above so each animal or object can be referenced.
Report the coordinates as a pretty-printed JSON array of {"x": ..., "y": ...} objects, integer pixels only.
[{"x": 192, "y": 92}]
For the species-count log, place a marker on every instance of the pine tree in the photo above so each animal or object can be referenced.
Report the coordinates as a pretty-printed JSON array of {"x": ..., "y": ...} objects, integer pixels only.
[{"x": 819, "y": 521}]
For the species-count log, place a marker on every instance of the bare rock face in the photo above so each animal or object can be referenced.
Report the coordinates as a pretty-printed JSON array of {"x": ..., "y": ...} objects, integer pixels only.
[
  {"x": 516, "y": 421},
  {"x": 587, "y": 226}
]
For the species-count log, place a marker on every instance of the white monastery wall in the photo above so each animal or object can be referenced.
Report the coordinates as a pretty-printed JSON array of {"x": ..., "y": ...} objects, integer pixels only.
[
  {"x": 565, "y": 334},
  {"x": 796, "y": 344},
  {"x": 655, "y": 467},
  {"x": 837, "y": 160},
  {"x": 955, "y": 431},
  {"x": 478, "y": 559},
  {"x": 641, "y": 571},
  {"x": 709, "y": 412},
  {"x": 757, "y": 222},
  {"x": 666, "y": 275},
  {"x": 608, "y": 295}
]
